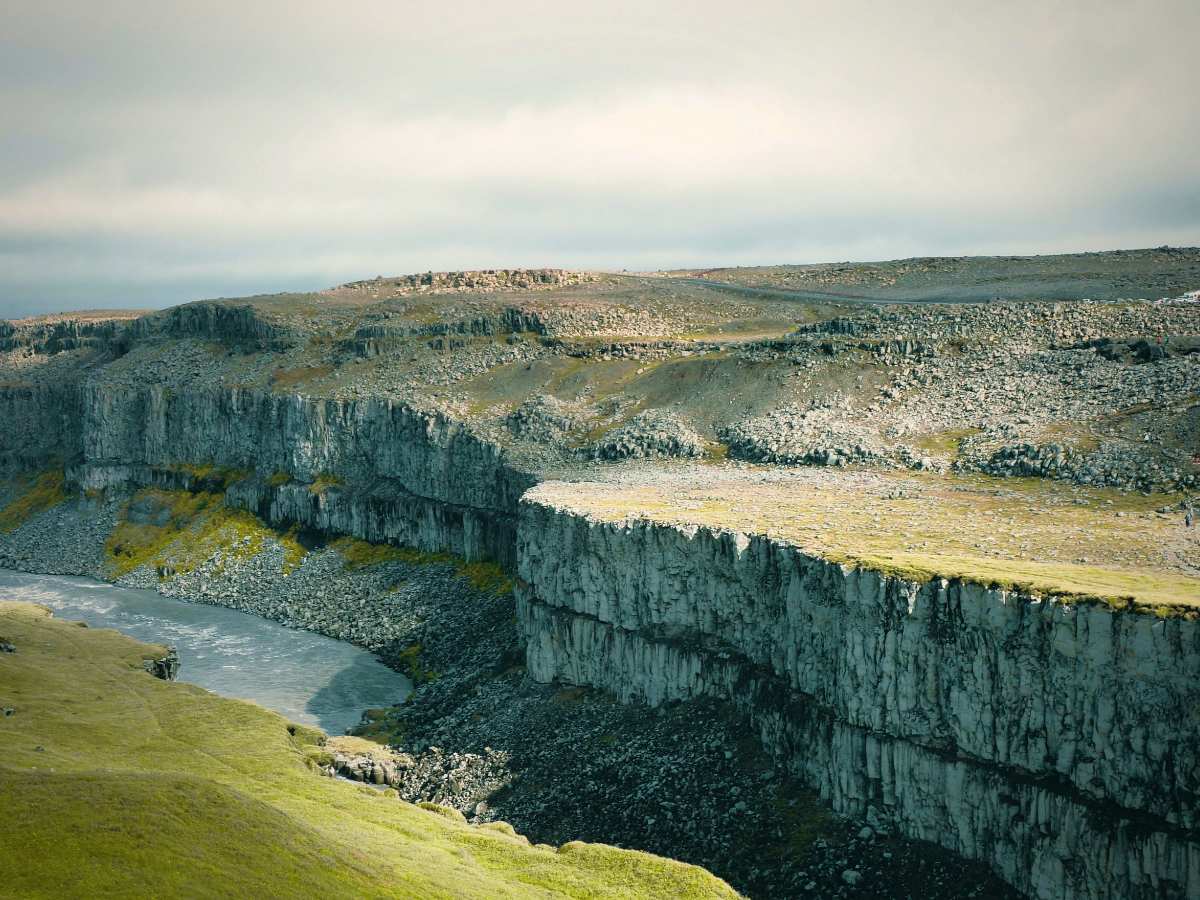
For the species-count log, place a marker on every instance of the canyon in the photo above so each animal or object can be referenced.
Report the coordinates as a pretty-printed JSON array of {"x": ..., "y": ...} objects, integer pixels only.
[{"x": 940, "y": 648}]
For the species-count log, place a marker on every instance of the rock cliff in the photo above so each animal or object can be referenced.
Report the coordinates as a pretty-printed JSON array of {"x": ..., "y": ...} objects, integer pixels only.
[
  {"x": 1055, "y": 741},
  {"x": 374, "y": 468}
]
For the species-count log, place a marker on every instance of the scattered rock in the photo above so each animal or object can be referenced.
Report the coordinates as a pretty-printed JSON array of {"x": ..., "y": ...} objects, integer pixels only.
[{"x": 653, "y": 433}]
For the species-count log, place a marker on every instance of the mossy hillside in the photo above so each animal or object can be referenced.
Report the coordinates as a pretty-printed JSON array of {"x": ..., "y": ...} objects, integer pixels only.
[
  {"x": 32, "y": 496},
  {"x": 117, "y": 784},
  {"x": 1044, "y": 537},
  {"x": 175, "y": 531}
]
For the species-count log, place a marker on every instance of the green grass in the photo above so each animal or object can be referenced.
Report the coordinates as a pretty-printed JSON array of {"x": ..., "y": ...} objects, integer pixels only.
[
  {"x": 944, "y": 443},
  {"x": 488, "y": 577},
  {"x": 116, "y": 784},
  {"x": 358, "y": 553},
  {"x": 291, "y": 379},
  {"x": 43, "y": 492}
]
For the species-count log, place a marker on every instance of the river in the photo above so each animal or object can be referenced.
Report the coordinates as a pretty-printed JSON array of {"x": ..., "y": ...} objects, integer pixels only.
[{"x": 309, "y": 678}]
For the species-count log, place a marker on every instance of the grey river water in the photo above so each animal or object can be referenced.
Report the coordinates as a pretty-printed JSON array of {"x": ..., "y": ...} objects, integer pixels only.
[{"x": 309, "y": 678}]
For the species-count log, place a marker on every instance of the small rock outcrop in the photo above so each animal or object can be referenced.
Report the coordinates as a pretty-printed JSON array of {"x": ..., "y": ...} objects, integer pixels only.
[
  {"x": 653, "y": 433},
  {"x": 544, "y": 419},
  {"x": 165, "y": 667}
]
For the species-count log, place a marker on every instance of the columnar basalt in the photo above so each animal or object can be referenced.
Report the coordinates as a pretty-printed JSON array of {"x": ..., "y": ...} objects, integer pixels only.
[
  {"x": 1043, "y": 737},
  {"x": 373, "y": 468},
  {"x": 41, "y": 423}
]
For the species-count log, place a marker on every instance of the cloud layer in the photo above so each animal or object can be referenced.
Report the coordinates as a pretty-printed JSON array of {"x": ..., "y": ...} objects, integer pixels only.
[{"x": 154, "y": 153}]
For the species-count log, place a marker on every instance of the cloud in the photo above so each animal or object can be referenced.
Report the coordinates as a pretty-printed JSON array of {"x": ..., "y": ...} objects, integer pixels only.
[{"x": 160, "y": 152}]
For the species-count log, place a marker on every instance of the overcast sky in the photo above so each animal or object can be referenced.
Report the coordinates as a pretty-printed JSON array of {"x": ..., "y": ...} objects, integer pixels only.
[{"x": 155, "y": 152}]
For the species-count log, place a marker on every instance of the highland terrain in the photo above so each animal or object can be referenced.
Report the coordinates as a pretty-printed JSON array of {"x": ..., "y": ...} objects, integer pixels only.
[{"x": 837, "y": 580}]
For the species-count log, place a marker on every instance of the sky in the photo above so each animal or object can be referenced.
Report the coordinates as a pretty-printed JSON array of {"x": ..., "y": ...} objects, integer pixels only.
[{"x": 153, "y": 153}]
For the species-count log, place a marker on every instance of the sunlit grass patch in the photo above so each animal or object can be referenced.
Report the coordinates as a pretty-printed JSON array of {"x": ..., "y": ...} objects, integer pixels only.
[
  {"x": 485, "y": 576},
  {"x": 358, "y": 553},
  {"x": 117, "y": 784},
  {"x": 488, "y": 577},
  {"x": 944, "y": 443}
]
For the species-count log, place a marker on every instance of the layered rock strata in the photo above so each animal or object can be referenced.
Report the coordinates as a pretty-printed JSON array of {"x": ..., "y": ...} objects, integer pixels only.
[{"x": 1054, "y": 741}]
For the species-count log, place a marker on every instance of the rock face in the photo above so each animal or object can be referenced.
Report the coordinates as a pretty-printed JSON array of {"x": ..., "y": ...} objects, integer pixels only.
[
  {"x": 375, "y": 469},
  {"x": 1055, "y": 742},
  {"x": 41, "y": 422},
  {"x": 239, "y": 325},
  {"x": 49, "y": 336},
  {"x": 1044, "y": 738},
  {"x": 479, "y": 280}
]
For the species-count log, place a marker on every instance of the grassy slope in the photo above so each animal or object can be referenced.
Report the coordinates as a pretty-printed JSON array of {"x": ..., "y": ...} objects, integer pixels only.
[
  {"x": 1045, "y": 536},
  {"x": 114, "y": 783}
]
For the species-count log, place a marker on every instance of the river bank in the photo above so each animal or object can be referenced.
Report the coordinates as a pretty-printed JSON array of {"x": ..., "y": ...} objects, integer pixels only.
[
  {"x": 116, "y": 783},
  {"x": 309, "y": 678}
]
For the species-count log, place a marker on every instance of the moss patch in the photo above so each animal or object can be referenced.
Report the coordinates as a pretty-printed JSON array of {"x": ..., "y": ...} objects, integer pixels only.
[
  {"x": 485, "y": 576},
  {"x": 358, "y": 553},
  {"x": 944, "y": 443},
  {"x": 175, "y": 531},
  {"x": 412, "y": 664},
  {"x": 488, "y": 577},
  {"x": 43, "y": 492},
  {"x": 290, "y": 379},
  {"x": 324, "y": 482}
]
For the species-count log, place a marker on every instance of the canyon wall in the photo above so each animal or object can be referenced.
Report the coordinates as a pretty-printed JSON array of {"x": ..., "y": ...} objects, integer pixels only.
[
  {"x": 1056, "y": 742},
  {"x": 375, "y": 469},
  {"x": 40, "y": 426}
]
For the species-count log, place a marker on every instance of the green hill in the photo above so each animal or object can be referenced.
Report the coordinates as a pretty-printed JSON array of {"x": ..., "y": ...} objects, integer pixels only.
[{"x": 114, "y": 784}]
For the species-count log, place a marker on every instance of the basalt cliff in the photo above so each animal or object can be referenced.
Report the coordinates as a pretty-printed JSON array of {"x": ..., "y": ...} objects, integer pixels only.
[{"x": 958, "y": 616}]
